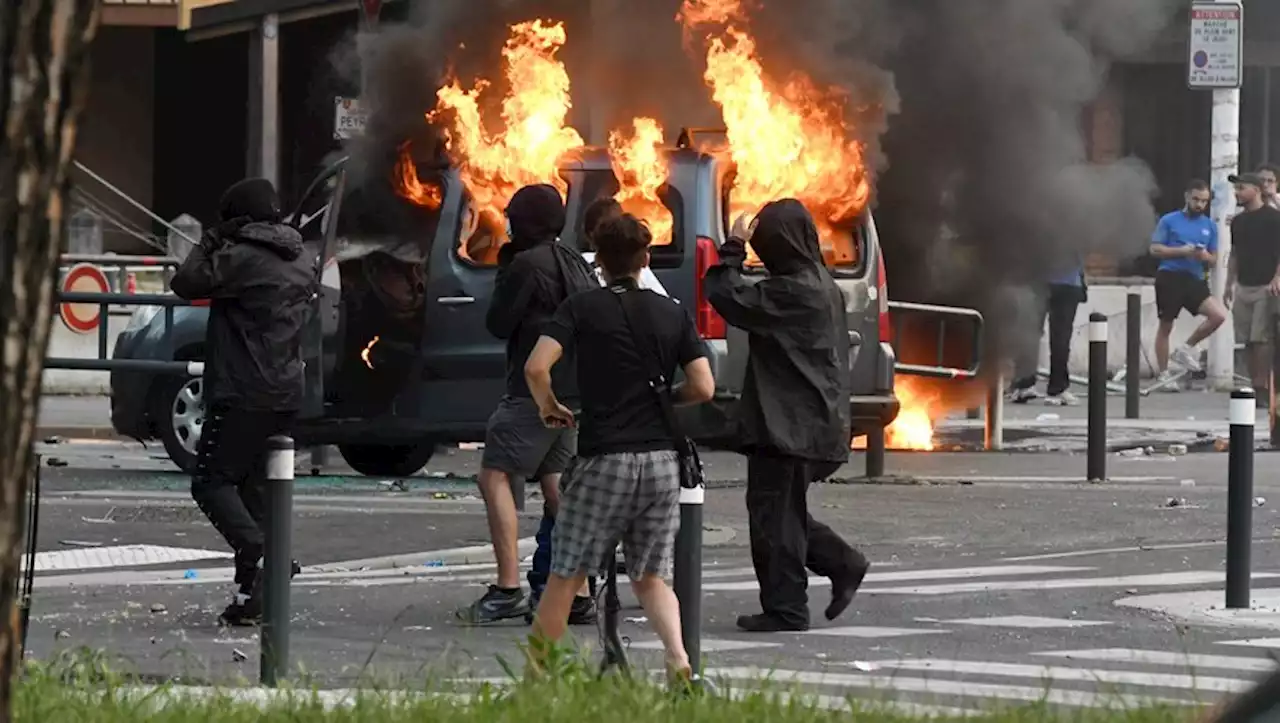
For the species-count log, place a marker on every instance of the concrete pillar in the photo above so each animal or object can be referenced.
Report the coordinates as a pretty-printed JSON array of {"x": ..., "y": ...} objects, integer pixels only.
[{"x": 264, "y": 100}]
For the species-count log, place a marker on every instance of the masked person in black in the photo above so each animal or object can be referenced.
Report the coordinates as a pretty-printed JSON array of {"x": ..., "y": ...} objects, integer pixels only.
[
  {"x": 535, "y": 274},
  {"x": 260, "y": 279},
  {"x": 794, "y": 414}
]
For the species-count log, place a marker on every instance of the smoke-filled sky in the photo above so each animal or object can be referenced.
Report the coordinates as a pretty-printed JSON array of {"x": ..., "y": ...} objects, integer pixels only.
[{"x": 971, "y": 109}]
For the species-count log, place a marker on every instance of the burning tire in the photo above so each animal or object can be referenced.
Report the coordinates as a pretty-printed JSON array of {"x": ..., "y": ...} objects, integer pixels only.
[{"x": 387, "y": 460}]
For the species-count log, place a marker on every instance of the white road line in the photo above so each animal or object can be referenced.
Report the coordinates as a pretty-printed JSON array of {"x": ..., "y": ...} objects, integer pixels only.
[
  {"x": 1270, "y": 643},
  {"x": 1169, "y": 579},
  {"x": 1059, "y": 673},
  {"x": 1112, "y": 551},
  {"x": 1187, "y": 661},
  {"x": 1025, "y": 621},
  {"x": 935, "y": 686},
  {"x": 950, "y": 573},
  {"x": 118, "y": 556},
  {"x": 871, "y": 631},
  {"x": 710, "y": 645}
]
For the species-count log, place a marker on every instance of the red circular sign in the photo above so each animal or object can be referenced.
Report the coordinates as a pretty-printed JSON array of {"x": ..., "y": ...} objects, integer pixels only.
[
  {"x": 82, "y": 278},
  {"x": 372, "y": 8}
]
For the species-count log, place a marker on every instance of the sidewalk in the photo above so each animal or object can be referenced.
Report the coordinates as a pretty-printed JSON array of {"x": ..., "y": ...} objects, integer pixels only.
[{"x": 75, "y": 417}]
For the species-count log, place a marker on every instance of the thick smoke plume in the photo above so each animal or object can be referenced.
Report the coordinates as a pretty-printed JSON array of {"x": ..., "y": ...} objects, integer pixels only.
[{"x": 972, "y": 112}]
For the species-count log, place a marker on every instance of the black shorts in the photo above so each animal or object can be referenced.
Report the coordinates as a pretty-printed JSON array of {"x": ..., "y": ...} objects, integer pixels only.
[
  {"x": 1176, "y": 291},
  {"x": 518, "y": 443}
]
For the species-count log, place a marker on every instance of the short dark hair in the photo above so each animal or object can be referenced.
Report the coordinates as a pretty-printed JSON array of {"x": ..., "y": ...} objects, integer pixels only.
[
  {"x": 1196, "y": 184},
  {"x": 621, "y": 244},
  {"x": 600, "y": 209},
  {"x": 1270, "y": 167}
]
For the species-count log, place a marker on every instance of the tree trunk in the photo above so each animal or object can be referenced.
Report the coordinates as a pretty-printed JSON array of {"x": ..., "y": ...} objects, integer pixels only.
[{"x": 44, "y": 66}]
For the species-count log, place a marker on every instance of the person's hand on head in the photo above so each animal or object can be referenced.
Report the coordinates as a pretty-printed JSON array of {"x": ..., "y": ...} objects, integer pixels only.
[{"x": 556, "y": 415}]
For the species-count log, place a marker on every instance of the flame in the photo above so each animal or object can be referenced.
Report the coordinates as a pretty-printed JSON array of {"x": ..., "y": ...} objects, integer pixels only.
[
  {"x": 367, "y": 351},
  {"x": 913, "y": 427},
  {"x": 534, "y": 134},
  {"x": 786, "y": 140},
  {"x": 641, "y": 170},
  {"x": 407, "y": 185}
]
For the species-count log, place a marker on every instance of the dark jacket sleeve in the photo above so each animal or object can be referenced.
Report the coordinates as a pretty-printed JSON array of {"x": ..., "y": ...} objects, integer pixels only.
[
  {"x": 208, "y": 273},
  {"x": 514, "y": 288}
]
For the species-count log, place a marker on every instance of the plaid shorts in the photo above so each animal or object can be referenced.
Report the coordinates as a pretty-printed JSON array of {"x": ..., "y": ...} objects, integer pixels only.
[{"x": 633, "y": 497}]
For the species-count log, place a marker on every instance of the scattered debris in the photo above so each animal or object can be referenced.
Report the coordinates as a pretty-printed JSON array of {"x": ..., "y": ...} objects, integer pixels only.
[
  {"x": 398, "y": 485},
  {"x": 56, "y": 462},
  {"x": 1047, "y": 417},
  {"x": 1177, "y": 450},
  {"x": 238, "y": 655},
  {"x": 158, "y": 608},
  {"x": 863, "y": 665},
  {"x": 1176, "y": 502},
  {"x": 1259, "y": 501},
  {"x": 438, "y": 475},
  {"x": 1221, "y": 445},
  {"x": 104, "y": 520},
  {"x": 471, "y": 445},
  {"x": 638, "y": 621},
  {"x": 55, "y": 439},
  {"x": 1135, "y": 452},
  {"x": 442, "y": 496},
  {"x": 433, "y": 563},
  {"x": 190, "y": 575},
  {"x": 1188, "y": 483},
  {"x": 61, "y": 635},
  {"x": 79, "y": 543},
  {"x": 1131, "y": 591}
]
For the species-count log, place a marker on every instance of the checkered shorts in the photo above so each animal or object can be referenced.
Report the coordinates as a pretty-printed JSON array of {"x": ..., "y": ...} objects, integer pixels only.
[{"x": 633, "y": 497}]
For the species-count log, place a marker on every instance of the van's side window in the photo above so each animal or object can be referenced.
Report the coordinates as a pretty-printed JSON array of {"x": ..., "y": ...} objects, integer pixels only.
[{"x": 478, "y": 238}]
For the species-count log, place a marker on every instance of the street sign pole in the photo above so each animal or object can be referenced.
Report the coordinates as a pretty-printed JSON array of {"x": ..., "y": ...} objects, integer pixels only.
[{"x": 1215, "y": 61}]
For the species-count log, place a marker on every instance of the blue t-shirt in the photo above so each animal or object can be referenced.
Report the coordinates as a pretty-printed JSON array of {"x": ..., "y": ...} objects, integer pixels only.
[{"x": 1176, "y": 230}]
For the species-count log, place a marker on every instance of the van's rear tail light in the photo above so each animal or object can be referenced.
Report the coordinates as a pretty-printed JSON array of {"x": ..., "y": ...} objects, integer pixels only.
[
  {"x": 200, "y": 302},
  {"x": 710, "y": 324},
  {"x": 886, "y": 328}
]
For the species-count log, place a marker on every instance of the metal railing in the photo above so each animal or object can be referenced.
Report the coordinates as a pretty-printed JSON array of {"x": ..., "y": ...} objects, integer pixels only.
[
  {"x": 104, "y": 362},
  {"x": 966, "y": 344},
  {"x": 118, "y": 266}
]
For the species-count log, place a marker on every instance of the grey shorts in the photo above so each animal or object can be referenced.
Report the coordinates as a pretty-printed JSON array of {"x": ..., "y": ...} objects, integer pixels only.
[
  {"x": 518, "y": 443},
  {"x": 629, "y": 497},
  {"x": 1253, "y": 312}
]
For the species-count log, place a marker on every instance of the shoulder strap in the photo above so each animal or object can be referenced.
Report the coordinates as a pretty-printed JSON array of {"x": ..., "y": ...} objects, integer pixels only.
[{"x": 642, "y": 336}]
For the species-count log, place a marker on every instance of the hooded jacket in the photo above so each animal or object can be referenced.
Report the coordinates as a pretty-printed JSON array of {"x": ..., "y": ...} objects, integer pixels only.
[
  {"x": 536, "y": 273},
  {"x": 795, "y": 399},
  {"x": 260, "y": 281}
]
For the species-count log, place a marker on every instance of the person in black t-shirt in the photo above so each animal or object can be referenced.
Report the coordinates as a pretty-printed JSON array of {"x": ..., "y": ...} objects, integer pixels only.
[
  {"x": 1253, "y": 274},
  {"x": 625, "y": 484}
]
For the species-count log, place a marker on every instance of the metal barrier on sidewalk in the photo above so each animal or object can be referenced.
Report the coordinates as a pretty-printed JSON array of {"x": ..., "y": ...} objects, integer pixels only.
[{"x": 104, "y": 362}]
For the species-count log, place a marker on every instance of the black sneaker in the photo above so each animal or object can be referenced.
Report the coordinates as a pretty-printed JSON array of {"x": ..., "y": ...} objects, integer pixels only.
[
  {"x": 495, "y": 606},
  {"x": 246, "y": 609},
  {"x": 583, "y": 611}
]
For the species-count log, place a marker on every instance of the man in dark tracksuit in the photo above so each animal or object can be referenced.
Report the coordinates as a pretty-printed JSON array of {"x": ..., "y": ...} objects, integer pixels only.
[
  {"x": 535, "y": 274},
  {"x": 260, "y": 279},
  {"x": 794, "y": 414}
]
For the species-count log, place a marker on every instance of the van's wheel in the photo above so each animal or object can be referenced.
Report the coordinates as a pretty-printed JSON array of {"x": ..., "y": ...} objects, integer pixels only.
[
  {"x": 177, "y": 410},
  {"x": 387, "y": 460}
]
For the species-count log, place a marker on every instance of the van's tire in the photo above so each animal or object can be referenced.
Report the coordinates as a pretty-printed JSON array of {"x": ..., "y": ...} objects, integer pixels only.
[
  {"x": 177, "y": 411},
  {"x": 387, "y": 460}
]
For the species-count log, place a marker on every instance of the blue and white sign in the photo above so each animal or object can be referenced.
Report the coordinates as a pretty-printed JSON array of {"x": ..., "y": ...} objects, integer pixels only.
[{"x": 1215, "y": 56}]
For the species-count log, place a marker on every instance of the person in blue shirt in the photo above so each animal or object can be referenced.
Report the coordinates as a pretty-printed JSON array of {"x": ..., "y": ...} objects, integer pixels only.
[
  {"x": 1059, "y": 302},
  {"x": 1186, "y": 244}
]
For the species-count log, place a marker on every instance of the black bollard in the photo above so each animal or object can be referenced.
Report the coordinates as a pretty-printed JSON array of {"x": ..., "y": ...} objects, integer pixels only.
[
  {"x": 1097, "y": 464},
  {"x": 875, "y": 452},
  {"x": 1240, "y": 497},
  {"x": 277, "y": 561},
  {"x": 688, "y": 571},
  {"x": 1132, "y": 350}
]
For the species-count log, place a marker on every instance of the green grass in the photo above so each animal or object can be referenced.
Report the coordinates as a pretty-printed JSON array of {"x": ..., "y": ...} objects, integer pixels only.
[{"x": 83, "y": 691}]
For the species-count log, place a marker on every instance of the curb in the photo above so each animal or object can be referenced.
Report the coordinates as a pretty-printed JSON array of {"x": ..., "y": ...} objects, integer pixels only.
[{"x": 69, "y": 432}]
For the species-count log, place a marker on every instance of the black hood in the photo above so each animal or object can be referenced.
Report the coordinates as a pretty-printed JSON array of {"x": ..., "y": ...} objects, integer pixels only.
[
  {"x": 537, "y": 216},
  {"x": 284, "y": 241},
  {"x": 785, "y": 237},
  {"x": 252, "y": 198}
]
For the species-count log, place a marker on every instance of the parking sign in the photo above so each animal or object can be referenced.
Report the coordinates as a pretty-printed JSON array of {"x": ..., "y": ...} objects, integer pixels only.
[
  {"x": 348, "y": 119},
  {"x": 1215, "y": 54}
]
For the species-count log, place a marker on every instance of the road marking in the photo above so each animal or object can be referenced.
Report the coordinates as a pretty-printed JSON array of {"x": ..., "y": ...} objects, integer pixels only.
[
  {"x": 1169, "y": 579},
  {"x": 1114, "y": 550},
  {"x": 951, "y": 573},
  {"x": 1060, "y": 673},
  {"x": 1189, "y": 661},
  {"x": 1269, "y": 643},
  {"x": 935, "y": 686},
  {"x": 711, "y": 645},
  {"x": 870, "y": 631},
  {"x": 1025, "y": 621},
  {"x": 119, "y": 556}
]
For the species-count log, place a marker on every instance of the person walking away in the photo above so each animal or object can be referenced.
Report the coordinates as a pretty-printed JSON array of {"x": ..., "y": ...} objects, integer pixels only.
[
  {"x": 536, "y": 273},
  {"x": 260, "y": 280},
  {"x": 1061, "y": 300},
  {"x": 603, "y": 209},
  {"x": 1253, "y": 276},
  {"x": 1186, "y": 243},
  {"x": 625, "y": 484},
  {"x": 794, "y": 413}
]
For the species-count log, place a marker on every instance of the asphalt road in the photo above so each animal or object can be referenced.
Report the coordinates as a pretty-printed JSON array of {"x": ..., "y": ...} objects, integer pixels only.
[{"x": 993, "y": 573}]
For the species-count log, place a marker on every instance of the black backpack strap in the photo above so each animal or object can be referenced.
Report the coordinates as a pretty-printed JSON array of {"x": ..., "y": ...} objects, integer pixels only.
[{"x": 640, "y": 323}]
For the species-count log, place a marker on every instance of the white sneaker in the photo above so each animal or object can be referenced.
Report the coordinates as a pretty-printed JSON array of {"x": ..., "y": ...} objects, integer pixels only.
[
  {"x": 1065, "y": 399},
  {"x": 1169, "y": 381},
  {"x": 1024, "y": 395},
  {"x": 1185, "y": 357}
]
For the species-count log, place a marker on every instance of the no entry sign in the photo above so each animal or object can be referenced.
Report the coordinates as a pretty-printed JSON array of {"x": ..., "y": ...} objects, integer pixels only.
[
  {"x": 83, "y": 278},
  {"x": 372, "y": 8},
  {"x": 1215, "y": 57}
]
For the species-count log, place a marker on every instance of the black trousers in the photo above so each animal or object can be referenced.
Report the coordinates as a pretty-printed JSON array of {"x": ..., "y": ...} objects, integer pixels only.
[
  {"x": 785, "y": 539},
  {"x": 1060, "y": 307},
  {"x": 228, "y": 483}
]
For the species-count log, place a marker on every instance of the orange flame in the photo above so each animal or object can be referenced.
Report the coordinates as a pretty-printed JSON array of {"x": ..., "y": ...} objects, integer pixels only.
[
  {"x": 787, "y": 140},
  {"x": 913, "y": 427},
  {"x": 408, "y": 187},
  {"x": 534, "y": 134},
  {"x": 367, "y": 351},
  {"x": 641, "y": 170}
]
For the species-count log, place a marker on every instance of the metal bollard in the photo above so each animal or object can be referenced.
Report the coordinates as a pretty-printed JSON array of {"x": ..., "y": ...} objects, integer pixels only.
[
  {"x": 1097, "y": 454},
  {"x": 1132, "y": 350},
  {"x": 993, "y": 427},
  {"x": 1240, "y": 497},
  {"x": 277, "y": 561},
  {"x": 875, "y": 453},
  {"x": 688, "y": 572}
]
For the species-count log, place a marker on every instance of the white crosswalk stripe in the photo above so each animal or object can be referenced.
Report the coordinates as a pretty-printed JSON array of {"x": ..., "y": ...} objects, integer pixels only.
[{"x": 1187, "y": 661}]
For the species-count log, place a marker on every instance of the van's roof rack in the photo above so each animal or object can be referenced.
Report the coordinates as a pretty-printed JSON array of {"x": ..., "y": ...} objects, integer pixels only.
[{"x": 704, "y": 139}]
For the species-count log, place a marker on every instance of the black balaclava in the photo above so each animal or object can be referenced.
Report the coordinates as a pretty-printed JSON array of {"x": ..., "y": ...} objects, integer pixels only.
[
  {"x": 537, "y": 216},
  {"x": 252, "y": 198}
]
